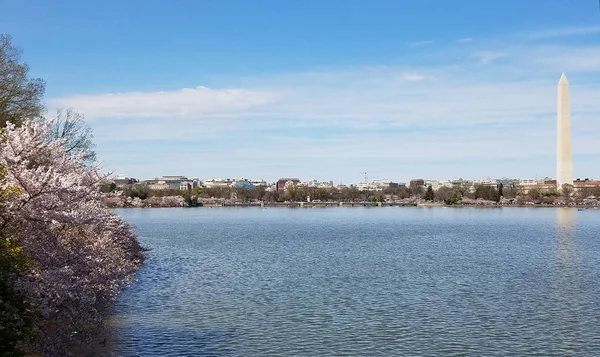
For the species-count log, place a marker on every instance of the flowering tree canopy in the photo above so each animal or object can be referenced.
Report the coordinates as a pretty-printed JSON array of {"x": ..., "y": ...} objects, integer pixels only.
[{"x": 79, "y": 252}]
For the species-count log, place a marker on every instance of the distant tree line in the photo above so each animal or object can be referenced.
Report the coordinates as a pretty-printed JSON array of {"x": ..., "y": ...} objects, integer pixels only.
[
  {"x": 292, "y": 193},
  {"x": 446, "y": 195}
]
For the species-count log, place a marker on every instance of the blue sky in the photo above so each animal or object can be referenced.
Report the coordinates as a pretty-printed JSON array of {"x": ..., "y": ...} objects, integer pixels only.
[{"x": 320, "y": 89}]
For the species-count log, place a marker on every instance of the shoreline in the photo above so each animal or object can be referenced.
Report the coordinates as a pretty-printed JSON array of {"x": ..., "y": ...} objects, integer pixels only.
[{"x": 365, "y": 204}]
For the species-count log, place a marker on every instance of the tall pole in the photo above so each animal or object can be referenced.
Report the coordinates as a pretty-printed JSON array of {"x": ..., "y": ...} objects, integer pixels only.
[{"x": 564, "y": 154}]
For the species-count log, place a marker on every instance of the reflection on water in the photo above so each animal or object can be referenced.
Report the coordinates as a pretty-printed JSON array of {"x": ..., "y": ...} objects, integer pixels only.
[
  {"x": 361, "y": 282},
  {"x": 565, "y": 244},
  {"x": 568, "y": 290}
]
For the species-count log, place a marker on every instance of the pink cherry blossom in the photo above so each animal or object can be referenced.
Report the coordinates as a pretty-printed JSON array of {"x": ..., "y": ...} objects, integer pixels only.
[{"x": 81, "y": 252}]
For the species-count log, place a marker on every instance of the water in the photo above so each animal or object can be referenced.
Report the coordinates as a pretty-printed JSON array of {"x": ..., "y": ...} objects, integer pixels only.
[{"x": 362, "y": 282}]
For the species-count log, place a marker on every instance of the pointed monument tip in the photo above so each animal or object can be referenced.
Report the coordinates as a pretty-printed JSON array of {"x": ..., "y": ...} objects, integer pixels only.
[{"x": 563, "y": 79}]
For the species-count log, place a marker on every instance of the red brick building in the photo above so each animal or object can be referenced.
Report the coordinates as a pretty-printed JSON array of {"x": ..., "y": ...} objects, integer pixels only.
[
  {"x": 577, "y": 184},
  {"x": 416, "y": 182},
  {"x": 283, "y": 181}
]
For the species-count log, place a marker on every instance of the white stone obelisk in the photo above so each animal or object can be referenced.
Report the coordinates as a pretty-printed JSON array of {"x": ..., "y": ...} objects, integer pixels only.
[{"x": 564, "y": 154}]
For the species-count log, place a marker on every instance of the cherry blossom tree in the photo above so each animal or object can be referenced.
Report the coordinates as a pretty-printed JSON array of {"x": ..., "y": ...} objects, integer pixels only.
[{"x": 80, "y": 253}]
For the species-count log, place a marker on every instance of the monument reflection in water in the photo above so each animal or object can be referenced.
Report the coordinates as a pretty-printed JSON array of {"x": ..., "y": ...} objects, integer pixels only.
[{"x": 568, "y": 290}]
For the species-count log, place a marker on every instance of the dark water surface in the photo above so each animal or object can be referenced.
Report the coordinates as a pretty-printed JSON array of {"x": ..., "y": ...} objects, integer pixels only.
[{"x": 362, "y": 282}]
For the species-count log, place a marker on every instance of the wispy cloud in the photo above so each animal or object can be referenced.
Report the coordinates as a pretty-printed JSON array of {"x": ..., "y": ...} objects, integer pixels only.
[
  {"x": 565, "y": 58},
  {"x": 485, "y": 57},
  {"x": 464, "y": 40},
  {"x": 416, "y": 77},
  {"x": 183, "y": 102},
  {"x": 420, "y": 43},
  {"x": 563, "y": 32}
]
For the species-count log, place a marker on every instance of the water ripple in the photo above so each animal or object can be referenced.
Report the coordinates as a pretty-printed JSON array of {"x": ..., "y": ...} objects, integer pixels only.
[{"x": 362, "y": 282}]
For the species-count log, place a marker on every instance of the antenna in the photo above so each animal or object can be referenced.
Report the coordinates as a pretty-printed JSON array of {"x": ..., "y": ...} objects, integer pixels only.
[{"x": 366, "y": 177}]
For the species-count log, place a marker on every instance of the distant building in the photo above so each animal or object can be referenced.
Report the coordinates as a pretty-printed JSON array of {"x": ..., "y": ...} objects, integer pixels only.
[
  {"x": 461, "y": 182},
  {"x": 212, "y": 183},
  {"x": 486, "y": 182},
  {"x": 416, "y": 182},
  {"x": 506, "y": 182},
  {"x": 530, "y": 182},
  {"x": 540, "y": 186},
  {"x": 283, "y": 182},
  {"x": 379, "y": 185},
  {"x": 172, "y": 182},
  {"x": 259, "y": 183},
  {"x": 246, "y": 185},
  {"x": 317, "y": 184},
  {"x": 547, "y": 186},
  {"x": 124, "y": 181},
  {"x": 585, "y": 183},
  {"x": 436, "y": 185}
]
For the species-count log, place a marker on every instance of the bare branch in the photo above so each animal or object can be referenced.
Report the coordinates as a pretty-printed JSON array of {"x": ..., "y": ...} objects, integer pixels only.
[{"x": 20, "y": 96}]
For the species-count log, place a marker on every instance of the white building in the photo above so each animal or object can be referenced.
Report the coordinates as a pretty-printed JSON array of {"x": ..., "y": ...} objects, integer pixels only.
[
  {"x": 212, "y": 183},
  {"x": 259, "y": 183},
  {"x": 317, "y": 184},
  {"x": 436, "y": 185},
  {"x": 172, "y": 182},
  {"x": 530, "y": 181},
  {"x": 486, "y": 182}
]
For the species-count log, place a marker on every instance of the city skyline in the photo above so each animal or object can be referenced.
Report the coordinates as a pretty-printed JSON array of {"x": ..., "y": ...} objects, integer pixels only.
[
  {"x": 526, "y": 181},
  {"x": 330, "y": 90}
]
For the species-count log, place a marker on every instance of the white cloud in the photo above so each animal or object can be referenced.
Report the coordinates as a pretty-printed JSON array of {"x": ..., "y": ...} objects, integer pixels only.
[
  {"x": 485, "y": 57},
  {"x": 566, "y": 58},
  {"x": 416, "y": 77},
  {"x": 420, "y": 43},
  {"x": 562, "y": 32},
  {"x": 332, "y": 120},
  {"x": 185, "y": 102},
  {"x": 362, "y": 102},
  {"x": 464, "y": 40},
  {"x": 399, "y": 156}
]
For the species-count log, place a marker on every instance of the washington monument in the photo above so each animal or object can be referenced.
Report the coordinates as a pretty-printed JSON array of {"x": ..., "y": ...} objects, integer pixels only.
[{"x": 564, "y": 154}]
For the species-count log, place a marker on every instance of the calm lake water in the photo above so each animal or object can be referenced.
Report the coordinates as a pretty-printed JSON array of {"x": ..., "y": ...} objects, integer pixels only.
[{"x": 362, "y": 282}]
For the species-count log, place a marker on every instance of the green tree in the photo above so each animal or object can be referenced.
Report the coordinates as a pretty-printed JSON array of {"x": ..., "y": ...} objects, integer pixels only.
[
  {"x": 140, "y": 190},
  {"x": 20, "y": 96},
  {"x": 486, "y": 192},
  {"x": 534, "y": 193},
  {"x": 567, "y": 190},
  {"x": 551, "y": 192},
  {"x": 190, "y": 198},
  {"x": 109, "y": 187},
  {"x": 429, "y": 194},
  {"x": 454, "y": 198},
  {"x": 272, "y": 196},
  {"x": 16, "y": 313}
]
